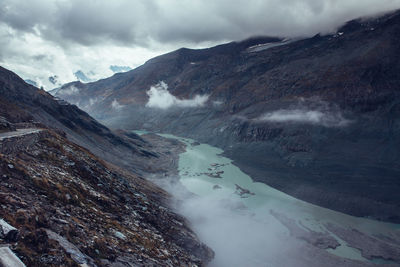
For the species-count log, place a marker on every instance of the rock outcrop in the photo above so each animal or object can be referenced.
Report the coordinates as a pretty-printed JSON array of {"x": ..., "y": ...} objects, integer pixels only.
[{"x": 5, "y": 125}]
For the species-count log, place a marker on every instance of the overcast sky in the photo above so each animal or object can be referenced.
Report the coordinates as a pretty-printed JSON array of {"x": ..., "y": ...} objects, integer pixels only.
[{"x": 42, "y": 38}]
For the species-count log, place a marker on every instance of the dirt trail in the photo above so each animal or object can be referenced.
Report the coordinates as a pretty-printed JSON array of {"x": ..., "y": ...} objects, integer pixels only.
[{"x": 18, "y": 132}]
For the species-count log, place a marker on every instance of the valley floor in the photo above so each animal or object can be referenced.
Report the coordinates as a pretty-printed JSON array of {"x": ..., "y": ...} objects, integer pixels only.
[{"x": 263, "y": 224}]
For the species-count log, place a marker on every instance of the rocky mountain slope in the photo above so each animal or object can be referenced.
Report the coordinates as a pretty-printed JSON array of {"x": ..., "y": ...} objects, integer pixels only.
[
  {"x": 317, "y": 118},
  {"x": 71, "y": 208},
  {"x": 66, "y": 206},
  {"x": 21, "y": 102}
]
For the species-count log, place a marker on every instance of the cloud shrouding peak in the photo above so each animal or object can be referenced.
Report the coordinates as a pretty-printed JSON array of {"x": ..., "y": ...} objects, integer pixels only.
[
  {"x": 71, "y": 90},
  {"x": 43, "y": 38},
  {"x": 141, "y": 22},
  {"x": 160, "y": 97}
]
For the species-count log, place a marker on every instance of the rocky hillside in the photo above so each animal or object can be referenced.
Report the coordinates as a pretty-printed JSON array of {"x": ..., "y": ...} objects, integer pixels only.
[
  {"x": 23, "y": 103},
  {"x": 317, "y": 118},
  {"x": 70, "y": 208},
  {"x": 63, "y": 205}
]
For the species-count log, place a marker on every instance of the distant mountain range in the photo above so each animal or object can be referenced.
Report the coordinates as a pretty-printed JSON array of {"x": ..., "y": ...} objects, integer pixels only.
[
  {"x": 318, "y": 118},
  {"x": 82, "y": 77}
]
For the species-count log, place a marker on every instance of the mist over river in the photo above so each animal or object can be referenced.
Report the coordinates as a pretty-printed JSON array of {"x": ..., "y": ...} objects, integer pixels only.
[{"x": 248, "y": 223}]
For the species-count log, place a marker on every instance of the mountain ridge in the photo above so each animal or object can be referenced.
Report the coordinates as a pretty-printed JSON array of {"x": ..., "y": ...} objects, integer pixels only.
[{"x": 315, "y": 118}]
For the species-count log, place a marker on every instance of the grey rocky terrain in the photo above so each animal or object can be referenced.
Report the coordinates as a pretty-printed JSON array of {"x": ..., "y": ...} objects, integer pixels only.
[{"x": 63, "y": 205}]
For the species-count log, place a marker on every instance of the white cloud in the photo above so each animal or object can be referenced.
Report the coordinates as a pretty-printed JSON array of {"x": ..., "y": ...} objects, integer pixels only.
[
  {"x": 217, "y": 103},
  {"x": 116, "y": 106},
  {"x": 93, "y": 101},
  {"x": 160, "y": 97},
  {"x": 239, "y": 236},
  {"x": 36, "y": 58},
  {"x": 71, "y": 90},
  {"x": 324, "y": 118}
]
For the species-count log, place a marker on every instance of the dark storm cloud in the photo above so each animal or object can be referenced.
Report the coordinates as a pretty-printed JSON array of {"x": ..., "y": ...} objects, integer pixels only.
[
  {"x": 83, "y": 22},
  {"x": 43, "y": 38},
  {"x": 88, "y": 22},
  {"x": 143, "y": 21}
]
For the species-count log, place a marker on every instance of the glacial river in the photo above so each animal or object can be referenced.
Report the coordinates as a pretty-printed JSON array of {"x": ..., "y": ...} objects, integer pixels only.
[{"x": 214, "y": 178}]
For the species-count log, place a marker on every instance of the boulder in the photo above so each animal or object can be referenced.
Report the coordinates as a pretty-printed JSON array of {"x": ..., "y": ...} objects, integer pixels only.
[
  {"x": 9, "y": 259},
  {"x": 5, "y": 125},
  {"x": 8, "y": 232}
]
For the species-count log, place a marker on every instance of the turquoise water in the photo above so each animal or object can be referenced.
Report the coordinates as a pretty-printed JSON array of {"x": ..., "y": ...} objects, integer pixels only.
[{"x": 206, "y": 173}]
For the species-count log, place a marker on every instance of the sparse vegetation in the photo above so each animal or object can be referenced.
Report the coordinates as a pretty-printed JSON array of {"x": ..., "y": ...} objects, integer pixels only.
[{"x": 57, "y": 185}]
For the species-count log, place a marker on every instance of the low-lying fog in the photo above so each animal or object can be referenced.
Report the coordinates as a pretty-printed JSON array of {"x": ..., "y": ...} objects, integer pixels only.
[{"x": 252, "y": 224}]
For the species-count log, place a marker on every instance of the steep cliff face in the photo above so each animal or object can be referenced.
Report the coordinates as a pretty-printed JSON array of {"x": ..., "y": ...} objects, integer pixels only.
[{"x": 317, "y": 118}]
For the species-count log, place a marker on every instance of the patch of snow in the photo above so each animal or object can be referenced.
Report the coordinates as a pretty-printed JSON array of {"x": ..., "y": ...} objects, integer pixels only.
[{"x": 265, "y": 46}]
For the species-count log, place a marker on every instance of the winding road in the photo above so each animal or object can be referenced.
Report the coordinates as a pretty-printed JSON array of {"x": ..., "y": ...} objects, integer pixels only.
[
  {"x": 19, "y": 132},
  {"x": 7, "y": 256}
]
